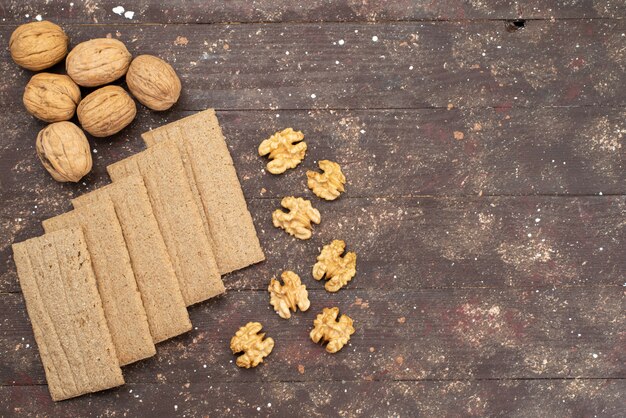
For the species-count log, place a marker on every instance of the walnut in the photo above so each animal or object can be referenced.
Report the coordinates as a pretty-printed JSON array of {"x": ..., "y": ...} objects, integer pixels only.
[
  {"x": 255, "y": 348},
  {"x": 106, "y": 111},
  {"x": 288, "y": 296},
  {"x": 328, "y": 329},
  {"x": 64, "y": 151},
  {"x": 327, "y": 185},
  {"x": 340, "y": 270},
  {"x": 38, "y": 45},
  {"x": 51, "y": 97},
  {"x": 153, "y": 82},
  {"x": 284, "y": 149},
  {"x": 97, "y": 62},
  {"x": 298, "y": 221}
]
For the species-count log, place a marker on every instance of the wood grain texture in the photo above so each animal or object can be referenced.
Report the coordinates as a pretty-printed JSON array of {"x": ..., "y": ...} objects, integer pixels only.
[
  {"x": 215, "y": 11},
  {"x": 514, "y": 151},
  {"x": 410, "y": 335},
  {"x": 519, "y": 398},
  {"x": 387, "y": 65},
  {"x": 490, "y": 236},
  {"x": 495, "y": 242}
]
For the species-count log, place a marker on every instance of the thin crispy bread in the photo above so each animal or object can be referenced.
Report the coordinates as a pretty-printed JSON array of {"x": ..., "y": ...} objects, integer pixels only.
[
  {"x": 178, "y": 217},
  {"x": 121, "y": 300},
  {"x": 162, "y": 299},
  {"x": 211, "y": 174},
  {"x": 62, "y": 300}
]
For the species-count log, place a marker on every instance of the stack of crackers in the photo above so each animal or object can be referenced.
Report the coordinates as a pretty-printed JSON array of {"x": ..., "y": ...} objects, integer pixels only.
[{"x": 113, "y": 277}]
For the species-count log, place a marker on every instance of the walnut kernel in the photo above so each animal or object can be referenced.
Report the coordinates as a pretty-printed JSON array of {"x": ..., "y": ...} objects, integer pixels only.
[
  {"x": 285, "y": 298},
  {"x": 297, "y": 221},
  {"x": 340, "y": 270},
  {"x": 329, "y": 184},
  {"x": 327, "y": 329},
  {"x": 284, "y": 149},
  {"x": 253, "y": 345}
]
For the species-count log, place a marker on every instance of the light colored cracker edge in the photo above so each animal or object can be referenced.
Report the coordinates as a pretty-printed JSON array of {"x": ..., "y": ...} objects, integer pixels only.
[
  {"x": 179, "y": 220},
  {"x": 160, "y": 292},
  {"x": 66, "y": 314},
  {"x": 210, "y": 171},
  {"x": 123, "y": 307}
]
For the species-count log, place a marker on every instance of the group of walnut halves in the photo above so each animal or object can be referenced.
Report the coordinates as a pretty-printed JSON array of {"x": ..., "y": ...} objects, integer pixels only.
[{"x": 286, "y": 149}]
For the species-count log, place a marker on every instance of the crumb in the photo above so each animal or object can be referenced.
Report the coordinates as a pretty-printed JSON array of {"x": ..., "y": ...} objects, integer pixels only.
[
  {"x": 300, "y": 369},
  {"x": 450, "y": 106},
  {"x": 181, "y": 40},
  {"x": 401, "y": 320},
  {"x": 458, "y": 135}
]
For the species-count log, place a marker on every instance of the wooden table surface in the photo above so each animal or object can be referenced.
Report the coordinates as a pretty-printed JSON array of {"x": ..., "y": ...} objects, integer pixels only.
[{"x": 486, "y": 202}]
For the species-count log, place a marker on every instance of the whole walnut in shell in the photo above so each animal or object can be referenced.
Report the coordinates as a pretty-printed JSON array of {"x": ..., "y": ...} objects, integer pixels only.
[
  {"x": 153, "y": 82},
  {"x": 97, "y": 62},
  {"x": 106, "y": 111},
  {"x": 38, "y": 45},
  {"x": 51, "y": 97},
  {"x": 64, "y": 151}
]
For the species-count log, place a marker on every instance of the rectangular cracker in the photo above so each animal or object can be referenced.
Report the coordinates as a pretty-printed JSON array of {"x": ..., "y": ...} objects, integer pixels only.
[
  {"x": 123, "y": 308},
  {"x": 211, "y": 174},
  {"x": 62, "y": 301},
  {"x": 154, "y": 273},
  {"x": 179, "y": 220}
]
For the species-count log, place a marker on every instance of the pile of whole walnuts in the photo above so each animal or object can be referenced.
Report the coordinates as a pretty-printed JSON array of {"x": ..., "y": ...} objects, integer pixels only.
[{"x": 62, "y": 146}]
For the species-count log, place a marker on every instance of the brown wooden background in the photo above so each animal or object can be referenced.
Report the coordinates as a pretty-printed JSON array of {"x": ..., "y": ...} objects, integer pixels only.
[{"x": 491, "y": 268}]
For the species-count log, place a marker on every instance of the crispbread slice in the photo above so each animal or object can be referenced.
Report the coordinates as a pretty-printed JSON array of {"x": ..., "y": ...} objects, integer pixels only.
[
  {"x": 62, "y": 301},
  {"x": 158, "y": 286},
  {"x": 180, "y": 223},
  {"x": 211, "y": 173},
  {"x": 123, "y": 308}
]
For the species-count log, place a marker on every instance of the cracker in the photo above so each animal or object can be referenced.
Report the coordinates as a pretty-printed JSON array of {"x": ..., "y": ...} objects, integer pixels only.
[
  {"x": 179, "y": 220},
  {"x": 158, "y": 286},
  {"x": 210, "y": 171},
  {"x": 121, "y": 300},
  {"x": 68, "y": 321}
]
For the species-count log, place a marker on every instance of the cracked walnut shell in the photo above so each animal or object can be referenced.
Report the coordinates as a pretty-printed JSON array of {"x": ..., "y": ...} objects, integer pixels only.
[
  {"x": 254, "y": 347},
  {"x": 285, "y": 298},
  {"x": 284, "y": 149},
  {"x": 329, "y": 184},
  {"x": 327, "y": 329},
  {"x": 340, "y": 270},
  {"x": 106, "y": 111},
  {"x": 97, "y": 62},
  {"x": 153, "y": 82},
  {"x": 64, "y": 151},
  {"x": 51, "y": 97},
  {"x": 297, "y": 221},
  {"x": 38, "y": 45}
]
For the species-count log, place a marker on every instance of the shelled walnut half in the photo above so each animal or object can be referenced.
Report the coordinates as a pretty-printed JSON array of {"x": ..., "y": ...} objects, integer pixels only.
[
  {"x": 254, "y": 346},
  {"x": 339, "y": 270},
  {"x": 298, "y": 221},
  {"x": 285, "y": 149},
  {"x": 329, "y": 184},
  {"x": 327, "y": 329},
  {"x": 289, "y": 296}
]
